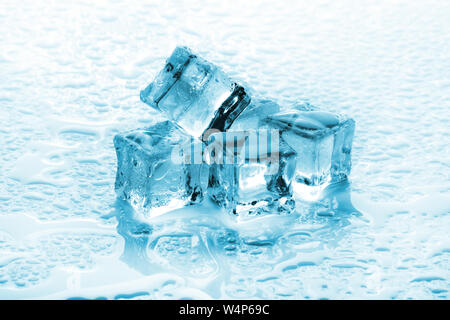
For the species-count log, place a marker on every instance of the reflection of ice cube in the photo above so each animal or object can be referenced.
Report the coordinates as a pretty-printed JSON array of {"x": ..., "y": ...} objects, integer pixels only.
[
  {"x": 195, "y": 94},
  {"x": 256, "y": 178},
  {"x": 323, "y": 144},
  {"x": 184, "y": 252},
  {"x": 257, "y": 110},
  {"x": 148, "y": 177}
]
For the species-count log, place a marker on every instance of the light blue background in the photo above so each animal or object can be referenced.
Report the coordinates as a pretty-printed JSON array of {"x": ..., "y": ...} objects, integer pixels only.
[{"x": 70, "y": 79}]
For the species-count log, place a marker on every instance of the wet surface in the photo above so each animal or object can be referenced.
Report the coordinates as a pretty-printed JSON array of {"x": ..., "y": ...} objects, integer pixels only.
[{"x": 71, "y": 76}]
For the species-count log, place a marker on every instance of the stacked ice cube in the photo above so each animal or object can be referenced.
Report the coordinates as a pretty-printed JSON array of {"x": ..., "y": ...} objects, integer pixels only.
[
  {"x": 195, "y": 94},
  {"x": 251, "y": 157}
]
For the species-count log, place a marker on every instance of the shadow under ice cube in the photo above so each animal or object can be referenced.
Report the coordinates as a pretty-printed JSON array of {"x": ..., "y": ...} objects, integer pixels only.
[
  {"x": 251, "y": 173},
  {"x": 195, "y": 94},
  {"x": 323, "y": 143},
  {"x": 147, "y": 175}
]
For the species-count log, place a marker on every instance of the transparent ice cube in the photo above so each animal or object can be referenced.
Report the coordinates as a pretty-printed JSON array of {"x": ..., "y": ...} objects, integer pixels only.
[
  {"x": 251, "y": 172},
  {"x": 323, "y": 143},
  {"x": 257, "y": 110},
  {"x": 195, "y": 94},
  {"x": 152, "y": 173}
]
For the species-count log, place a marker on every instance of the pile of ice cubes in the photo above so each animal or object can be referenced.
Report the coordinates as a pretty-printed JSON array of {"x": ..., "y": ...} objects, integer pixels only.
[{"x": 250, "y": 156}]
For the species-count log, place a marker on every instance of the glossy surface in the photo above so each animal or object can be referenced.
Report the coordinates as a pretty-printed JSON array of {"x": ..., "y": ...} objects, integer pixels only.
[{"x": 71, "y": 77}]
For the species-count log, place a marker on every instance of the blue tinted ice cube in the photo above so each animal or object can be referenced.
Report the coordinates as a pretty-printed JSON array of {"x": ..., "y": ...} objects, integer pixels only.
[
  {"x": 323, "y": 143},
  {"x": 195, "y": 94},
  {"x": 251, "y": 172},
  {"x": 152, "y": 173},
  {"x": 257, "y": 110}
]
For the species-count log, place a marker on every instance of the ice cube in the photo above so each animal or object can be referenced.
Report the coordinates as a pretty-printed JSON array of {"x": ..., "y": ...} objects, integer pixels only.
[
  {"x": 251, "y": 172},
  {"x": 323, "y": 143},
  {"x": 195, "y": 94},
  {"x": 153, "y": 174},
  {"x": 257, "y": 110}
]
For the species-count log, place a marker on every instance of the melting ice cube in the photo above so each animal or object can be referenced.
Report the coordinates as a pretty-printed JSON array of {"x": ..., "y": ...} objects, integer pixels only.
[
  {"x": 323, "y": 143},
  {"x": 153, "y": 174},
  {"x": 195, "y": 94},
  {"x": 257, "y": 110},
  {"x": 251, "y": 172}
]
